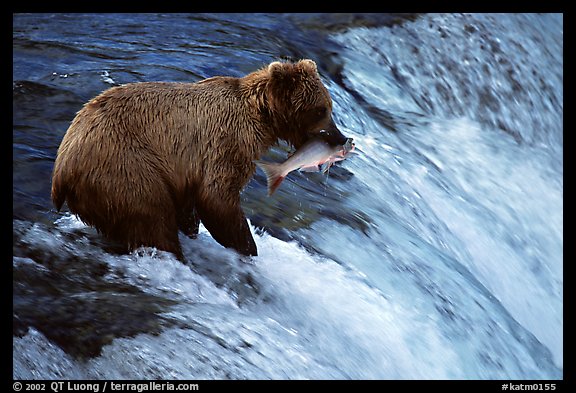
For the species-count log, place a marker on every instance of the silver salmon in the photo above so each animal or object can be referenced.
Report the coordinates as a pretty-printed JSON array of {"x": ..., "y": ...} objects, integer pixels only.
[{"x": 309, "y": 158}]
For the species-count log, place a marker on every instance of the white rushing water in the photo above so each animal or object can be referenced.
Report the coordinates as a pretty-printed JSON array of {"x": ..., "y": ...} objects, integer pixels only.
[
  {"x": 492, "y": 203},
  {"x": 458, "y": 272}
]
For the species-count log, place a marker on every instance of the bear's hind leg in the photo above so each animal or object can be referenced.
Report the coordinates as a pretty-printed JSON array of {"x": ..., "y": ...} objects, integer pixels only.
[{"x": 148, "y": 230}]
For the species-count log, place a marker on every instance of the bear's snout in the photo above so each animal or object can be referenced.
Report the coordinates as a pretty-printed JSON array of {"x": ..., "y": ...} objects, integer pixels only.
[{"x": 332, "y": 135}]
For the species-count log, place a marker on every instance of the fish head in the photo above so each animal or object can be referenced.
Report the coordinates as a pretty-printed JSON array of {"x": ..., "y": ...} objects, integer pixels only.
[
  {"x": 349, "y": 146},
  {"x": 341, "y": 151}
]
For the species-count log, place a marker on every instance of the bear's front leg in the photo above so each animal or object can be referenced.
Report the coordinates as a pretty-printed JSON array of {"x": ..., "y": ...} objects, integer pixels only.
[{"x": 227, "y": 224}]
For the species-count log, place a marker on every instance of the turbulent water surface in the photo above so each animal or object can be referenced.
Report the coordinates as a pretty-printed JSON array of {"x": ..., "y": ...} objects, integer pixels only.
[{"x": 435, "y": 252}]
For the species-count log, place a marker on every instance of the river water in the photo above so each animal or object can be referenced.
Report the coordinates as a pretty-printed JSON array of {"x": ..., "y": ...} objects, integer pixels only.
[{"x": 435, "y": 252}]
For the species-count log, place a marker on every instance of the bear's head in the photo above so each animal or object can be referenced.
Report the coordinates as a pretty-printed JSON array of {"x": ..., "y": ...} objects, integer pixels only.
[{"x": 300, "y": 104}]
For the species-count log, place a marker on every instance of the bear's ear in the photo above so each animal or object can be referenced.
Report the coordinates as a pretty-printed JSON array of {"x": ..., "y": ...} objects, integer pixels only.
[
  {"x": 280, "y": 72},
  {"x": 276, "y": 69},
  {"x": 308, "y": 65},
  {"x": 280, "y": 85}
]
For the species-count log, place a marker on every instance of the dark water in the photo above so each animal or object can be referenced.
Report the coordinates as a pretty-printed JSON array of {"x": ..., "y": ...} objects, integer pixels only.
[{"x": 433, "y": 253}]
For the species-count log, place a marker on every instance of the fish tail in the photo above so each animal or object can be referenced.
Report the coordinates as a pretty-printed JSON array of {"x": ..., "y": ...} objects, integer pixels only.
[{"x": 273, "y": 173}]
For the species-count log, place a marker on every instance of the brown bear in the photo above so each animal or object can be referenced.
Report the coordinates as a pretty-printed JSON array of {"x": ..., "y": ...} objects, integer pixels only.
[{"x": 143, "y": 160}]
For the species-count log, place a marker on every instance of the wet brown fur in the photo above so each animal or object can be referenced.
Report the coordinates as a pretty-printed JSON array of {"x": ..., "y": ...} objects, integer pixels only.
[{"x": 141, "y": 161}]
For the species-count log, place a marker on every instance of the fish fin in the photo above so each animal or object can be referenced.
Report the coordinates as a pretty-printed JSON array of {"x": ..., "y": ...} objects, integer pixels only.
[
  {"x": 310, "y": 168},
  {"x": 326, "y": 166},
  {"x": 273, "y": 173}
]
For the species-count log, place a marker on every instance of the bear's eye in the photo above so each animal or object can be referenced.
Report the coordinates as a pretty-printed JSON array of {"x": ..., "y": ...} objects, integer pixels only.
[{"x": 321, "y": 112}]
